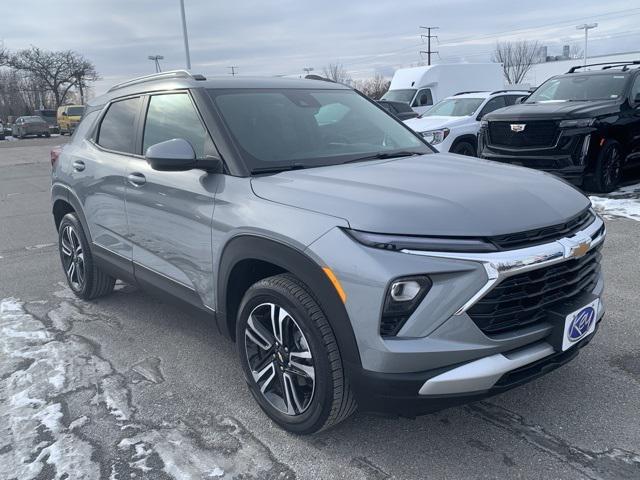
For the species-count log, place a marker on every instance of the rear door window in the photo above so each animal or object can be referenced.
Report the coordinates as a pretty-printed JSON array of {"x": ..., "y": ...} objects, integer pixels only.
[
  {"x": 174, "y": 116},
  {"x": 118, "y": 127}
]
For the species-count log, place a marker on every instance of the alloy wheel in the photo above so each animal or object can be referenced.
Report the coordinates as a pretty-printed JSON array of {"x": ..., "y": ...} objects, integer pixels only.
[
  {"x": 280, "y": 359},
  {"x": 72, "y": 257},
  {"x": 612, "y": 167}
]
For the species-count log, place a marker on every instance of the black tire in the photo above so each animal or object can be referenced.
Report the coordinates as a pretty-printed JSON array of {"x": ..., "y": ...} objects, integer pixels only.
[
  {"x": 464, "y": 148},
  {"x": 47, "y": 135},
  {"x": 93, "y": 282},
  {"x": 608, "y": 169},
  {"x": 331, "y": 400}
]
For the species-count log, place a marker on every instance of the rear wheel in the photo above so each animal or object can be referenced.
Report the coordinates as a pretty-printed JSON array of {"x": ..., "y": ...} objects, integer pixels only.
[
  {"x": 608, "y": 168},
  {"x": 464, "y": 148},
  {"x": 84, "y": 277},
  {"x": 290, "y": 356}
]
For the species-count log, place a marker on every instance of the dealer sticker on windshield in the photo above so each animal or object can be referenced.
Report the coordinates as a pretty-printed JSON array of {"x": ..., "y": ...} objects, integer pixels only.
[{"x": 580, "y": 324}]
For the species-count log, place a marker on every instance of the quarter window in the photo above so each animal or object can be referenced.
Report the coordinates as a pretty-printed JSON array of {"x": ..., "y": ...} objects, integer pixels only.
[
  {"x": 117, "y": 130},
  {"x": 174, "y": 116}
]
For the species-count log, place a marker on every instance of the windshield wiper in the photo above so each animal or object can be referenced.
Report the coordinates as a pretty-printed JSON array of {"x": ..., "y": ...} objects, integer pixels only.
[
  {"x": 277, "y": 168},
  {"x": 384, "y": 155}
]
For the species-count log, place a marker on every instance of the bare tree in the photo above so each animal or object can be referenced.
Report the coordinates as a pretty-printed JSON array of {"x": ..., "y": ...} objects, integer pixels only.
[
  {"x": 516, "y": 58},
  {"x": 337, "y": 73},
  {"x": 57, "y": 72},
  {"x": 576, "y": 51},
  {"x": 373, "y": 87}
]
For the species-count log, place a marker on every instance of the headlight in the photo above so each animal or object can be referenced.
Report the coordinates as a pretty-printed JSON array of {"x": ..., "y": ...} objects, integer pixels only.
[
  {"x": 430, "y": 244},
  {"x": 577, "y": 123},
  {"x": 435, "y": 137}
]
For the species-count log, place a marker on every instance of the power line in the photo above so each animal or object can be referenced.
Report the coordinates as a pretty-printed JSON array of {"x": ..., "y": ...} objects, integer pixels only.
[
  {"x": 428, "y": 36},
  {"x": 233, "y": 70}
]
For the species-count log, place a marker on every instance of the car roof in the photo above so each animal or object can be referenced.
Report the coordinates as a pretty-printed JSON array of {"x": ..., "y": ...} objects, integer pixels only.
[{"x": 222, "y": 82}]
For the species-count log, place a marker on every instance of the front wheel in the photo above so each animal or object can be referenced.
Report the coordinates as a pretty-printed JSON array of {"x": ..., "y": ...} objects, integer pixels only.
[
  {"x": 464, "y": 148},
  {"x": 290, "y": 356},
  {"x": 84, "y": 277},
  {"x": 608, "y": 168}
]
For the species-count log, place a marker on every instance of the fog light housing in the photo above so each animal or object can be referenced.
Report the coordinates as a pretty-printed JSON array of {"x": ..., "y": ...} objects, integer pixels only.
[{"x": 401, "y": 300}]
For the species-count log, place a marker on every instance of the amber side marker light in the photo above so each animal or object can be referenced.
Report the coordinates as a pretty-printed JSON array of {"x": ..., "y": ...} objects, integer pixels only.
[{"x": 336, "y": 283}]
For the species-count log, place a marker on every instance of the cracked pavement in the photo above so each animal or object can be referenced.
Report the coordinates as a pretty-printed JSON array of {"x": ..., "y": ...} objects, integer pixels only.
[{"x": 130, "y": 386}]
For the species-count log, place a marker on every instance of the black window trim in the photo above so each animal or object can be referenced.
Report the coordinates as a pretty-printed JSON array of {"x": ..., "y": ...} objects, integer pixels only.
[
  {"x": 145, "y": 111},
  {"x": 95, "y": 135}
]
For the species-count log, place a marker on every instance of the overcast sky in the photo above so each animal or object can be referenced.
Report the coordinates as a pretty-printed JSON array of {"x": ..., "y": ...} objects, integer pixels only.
[{"x": 284, "y": 36}]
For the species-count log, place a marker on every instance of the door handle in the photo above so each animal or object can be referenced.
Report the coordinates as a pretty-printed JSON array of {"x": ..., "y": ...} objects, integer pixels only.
[
  {"x": 78, "y": 165},
  {"x": 136, "y": 179}
]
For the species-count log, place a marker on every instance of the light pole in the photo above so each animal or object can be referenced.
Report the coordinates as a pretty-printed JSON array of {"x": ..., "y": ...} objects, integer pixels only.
[
  {"x": 586, "y": 27},
  {"x": 184, "y": 34},
  {"x": 156, "y": 59}
]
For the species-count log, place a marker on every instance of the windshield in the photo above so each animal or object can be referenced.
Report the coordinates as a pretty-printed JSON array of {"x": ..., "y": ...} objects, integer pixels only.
[
  {"x": 75, "y": 111},
  {"x": 46, "y": 113},
  {"x": 304, "y": 128},
  {"x": 404, "y": 96},
  {"x": 454, "y": 107},
  {"x": 580, "y": 87}
]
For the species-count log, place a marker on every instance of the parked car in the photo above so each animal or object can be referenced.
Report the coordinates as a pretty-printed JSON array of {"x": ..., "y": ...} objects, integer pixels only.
[
  {"x": 1, "y": 130},
  {"x": 583, "y": 126},
  {"x": 423, "y": 87},
  {"x": 353, "y": 266},
  {"x": 452, "y": 125},
  {"x": 400, "y": 109},
  {"x": 30, "y": 125},
  {"x": 48, "y": 116},
  {"x": 68, "y": 117}
]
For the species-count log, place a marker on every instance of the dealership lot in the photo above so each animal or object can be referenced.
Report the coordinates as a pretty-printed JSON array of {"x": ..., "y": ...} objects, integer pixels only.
[{"x": 132, "y": 385}]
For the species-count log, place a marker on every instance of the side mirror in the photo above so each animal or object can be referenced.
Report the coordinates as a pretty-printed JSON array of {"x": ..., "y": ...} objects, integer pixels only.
[
  {"x": 173, "y": 155},
  {"x": 177, "y": 155},
  {"x": 521, "y": 99},
  {"x": 64, "y": 114},
  {"x": 636, "y": 100}
]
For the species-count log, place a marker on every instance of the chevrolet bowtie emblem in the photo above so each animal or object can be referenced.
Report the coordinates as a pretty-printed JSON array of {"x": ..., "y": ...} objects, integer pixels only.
[{"x": 580, "y": 250}]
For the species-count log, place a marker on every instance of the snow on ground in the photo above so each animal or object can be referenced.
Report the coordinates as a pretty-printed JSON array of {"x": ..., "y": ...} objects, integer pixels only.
[
  {"x": 43, "y": 373},
  {"x": 624, "y": 202}
]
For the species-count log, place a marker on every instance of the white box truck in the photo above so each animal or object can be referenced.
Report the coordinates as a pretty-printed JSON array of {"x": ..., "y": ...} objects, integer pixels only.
[{"x": 422, "y": 87}]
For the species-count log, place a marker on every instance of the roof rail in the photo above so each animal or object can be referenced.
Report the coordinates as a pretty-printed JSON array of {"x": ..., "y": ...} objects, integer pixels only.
[
  {"x": 464, "y": 93},
  {"x": 312, "y": 76},
  {"x": 608, "y": 65},
  {"x": 157, "y": 76},
  {"x": 513, "y": 90}
]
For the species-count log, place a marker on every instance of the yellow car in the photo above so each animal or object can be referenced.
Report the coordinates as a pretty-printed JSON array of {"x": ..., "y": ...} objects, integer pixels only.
[{"x": 68, "y": 118}]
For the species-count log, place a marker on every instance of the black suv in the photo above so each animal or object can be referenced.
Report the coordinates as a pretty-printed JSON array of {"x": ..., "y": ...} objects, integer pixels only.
[{"x": 583, "y": 126}]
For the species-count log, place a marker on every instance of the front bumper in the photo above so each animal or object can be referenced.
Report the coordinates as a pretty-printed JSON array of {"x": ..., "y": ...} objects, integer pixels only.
[{"x": 399, "y": 394}]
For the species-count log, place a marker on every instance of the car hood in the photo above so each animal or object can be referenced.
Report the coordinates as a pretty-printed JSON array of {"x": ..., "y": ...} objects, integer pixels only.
[
  {"x": 437, "y": 194},
  {"x": 555, "y": 110},
  {"x": 425, "y": 124}
]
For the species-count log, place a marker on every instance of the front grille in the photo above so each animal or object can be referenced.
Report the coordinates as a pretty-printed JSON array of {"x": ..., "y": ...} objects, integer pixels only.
[
  {"x": 529, "y": 297},
  {"x": 544, "y": 235},
  {"x": 536, "y": 134}
]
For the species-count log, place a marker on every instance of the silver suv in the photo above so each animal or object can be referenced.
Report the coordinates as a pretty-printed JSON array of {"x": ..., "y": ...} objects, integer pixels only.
[{"x": 352, "y": 265}]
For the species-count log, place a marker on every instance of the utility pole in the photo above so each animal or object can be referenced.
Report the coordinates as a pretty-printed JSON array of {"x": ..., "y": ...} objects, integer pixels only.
[
  {"x": 428, "y": 36},
  {"x": 586, "y": 27},
  {"x": 233, "y": 70},
  {"x": 156, "y": 59},
  {"x": 185, "y": 35}
]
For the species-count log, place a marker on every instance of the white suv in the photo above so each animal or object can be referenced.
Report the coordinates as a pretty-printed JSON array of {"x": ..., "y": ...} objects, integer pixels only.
[{"x": 452, "y": 125}]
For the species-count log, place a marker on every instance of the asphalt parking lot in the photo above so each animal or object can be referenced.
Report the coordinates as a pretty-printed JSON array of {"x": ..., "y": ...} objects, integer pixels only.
[{"x": 129, "y": 386}]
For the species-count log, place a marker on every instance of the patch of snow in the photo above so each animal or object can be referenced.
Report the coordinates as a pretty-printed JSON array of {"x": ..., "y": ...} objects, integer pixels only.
[
  {"x": 624, "y": 202},
  {"x": 40, "y": 246}
]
